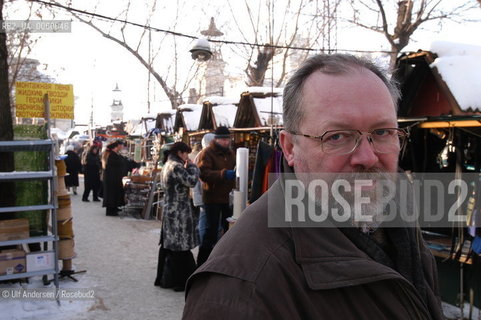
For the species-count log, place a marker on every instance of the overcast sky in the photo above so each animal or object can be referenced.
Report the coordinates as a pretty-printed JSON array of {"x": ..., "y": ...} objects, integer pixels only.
[{"x": 94, "y": 64}]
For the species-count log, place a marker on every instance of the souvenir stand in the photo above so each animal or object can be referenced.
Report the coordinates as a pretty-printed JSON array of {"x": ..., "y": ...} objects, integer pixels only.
[
  {"x": 445, "y": 138},
  {"x": 164, "y": 122},
  {"x": 186, "y": 125},
  {"x": 140, "y": 185},
  {"x": 256, "y": 126},
  {"x": 218, "y": 111},
  {"x": 139, "y": 139},
  {"x": 112, "y": 132}
]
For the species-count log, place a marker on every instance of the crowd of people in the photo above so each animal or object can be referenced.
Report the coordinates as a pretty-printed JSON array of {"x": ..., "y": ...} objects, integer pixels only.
[
  {"x": 103, "y": 173},
  {"x": 196, "y": 196}
]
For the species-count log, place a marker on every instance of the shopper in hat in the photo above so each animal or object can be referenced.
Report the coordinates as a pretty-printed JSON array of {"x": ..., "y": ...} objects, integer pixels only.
[
  {"x": 197, "y": 190},
  {"x": 179, "y": 222},
  {"x": 91, "y": 167},
  {"x": 113, "y": 189},
  {"x": 216, "y": 164}
]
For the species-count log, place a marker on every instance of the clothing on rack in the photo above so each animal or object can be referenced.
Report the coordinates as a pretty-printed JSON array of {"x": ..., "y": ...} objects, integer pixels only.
[{"x": 268, "y": 161}]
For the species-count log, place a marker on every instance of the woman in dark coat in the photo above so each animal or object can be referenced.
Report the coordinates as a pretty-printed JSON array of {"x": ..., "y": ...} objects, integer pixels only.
[
  {"x": 74, "y": 166},
  {"x": 91, "y": 164},
  {"x": 179, "y": 223},
  {"x": 113, "y": 189}
]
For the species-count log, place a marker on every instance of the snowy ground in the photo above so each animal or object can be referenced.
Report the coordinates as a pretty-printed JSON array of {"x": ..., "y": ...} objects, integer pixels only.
[
  {"x": 120, "y": 256},
  {"x": 454, "y": 312}
]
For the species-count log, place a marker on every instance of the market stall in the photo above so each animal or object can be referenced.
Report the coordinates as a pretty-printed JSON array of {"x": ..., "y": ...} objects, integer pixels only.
[
  {"x": 256, "y": 127},
  {"x": 186, "y": 124},
  {"x": 441, "y": 107},
  {"x": 218, "y": 111},
  {"x": 144, "y": 147}
]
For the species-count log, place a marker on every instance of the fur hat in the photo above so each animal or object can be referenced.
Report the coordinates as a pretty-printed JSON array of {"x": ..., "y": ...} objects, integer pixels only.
[{"x": 222, "y": 133}]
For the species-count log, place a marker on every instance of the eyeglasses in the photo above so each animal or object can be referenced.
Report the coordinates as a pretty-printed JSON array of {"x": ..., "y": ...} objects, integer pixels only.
[{"x": 384, "y": 140}]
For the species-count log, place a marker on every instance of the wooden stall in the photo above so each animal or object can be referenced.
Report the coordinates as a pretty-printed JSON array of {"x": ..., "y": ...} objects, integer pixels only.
[{"x": 441, "y": 107}]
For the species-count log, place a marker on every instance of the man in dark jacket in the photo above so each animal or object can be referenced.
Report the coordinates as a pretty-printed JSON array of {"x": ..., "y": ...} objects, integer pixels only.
[
  {"x": 91, "y": 164},
  {"x": 216, "y": 164},
  {"x": 113, "y": 188},
  {"x": 339, "y": 117},
  {"x": 74, "y": 167}
]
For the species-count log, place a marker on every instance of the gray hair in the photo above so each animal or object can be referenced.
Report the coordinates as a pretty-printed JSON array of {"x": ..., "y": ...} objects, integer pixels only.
[
  {"x": 208, "y": 137},
  {"x": 327, "y": 64}
]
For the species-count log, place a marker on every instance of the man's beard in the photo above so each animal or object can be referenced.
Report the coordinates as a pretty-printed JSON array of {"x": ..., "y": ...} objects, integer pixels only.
[
  {"x": 365, "y": 216},
  {"x": 368, "y": 216}
]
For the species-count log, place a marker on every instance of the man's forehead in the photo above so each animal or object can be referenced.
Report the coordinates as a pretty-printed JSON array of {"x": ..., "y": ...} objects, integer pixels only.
[{"x": 345, "y": 97}]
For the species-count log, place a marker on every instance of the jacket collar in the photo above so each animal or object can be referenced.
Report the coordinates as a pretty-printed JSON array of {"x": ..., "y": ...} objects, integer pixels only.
[
  {"x": 175, "y": 158},
  {"x": 330, "y": 260}
]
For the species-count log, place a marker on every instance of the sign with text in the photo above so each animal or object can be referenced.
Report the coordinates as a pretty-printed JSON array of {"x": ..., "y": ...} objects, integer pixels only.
[{"x": 29, "y": 100}]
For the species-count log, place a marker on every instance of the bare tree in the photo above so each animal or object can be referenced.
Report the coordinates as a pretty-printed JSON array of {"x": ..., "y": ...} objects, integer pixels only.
[
  {"x": 278, "y": 27},
  {"x": 20, "y": 45},
  {"x": 7, "y": 196},
  {"x": 398, "y": 20},
  {"x": 139, "y": 41},
  {"x": 256, "y": 72},
  {"x": 6, "y": 126}
]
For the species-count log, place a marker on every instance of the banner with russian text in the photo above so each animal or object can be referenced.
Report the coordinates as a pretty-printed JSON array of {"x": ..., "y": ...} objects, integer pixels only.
[{"x": 29, "y": 100}]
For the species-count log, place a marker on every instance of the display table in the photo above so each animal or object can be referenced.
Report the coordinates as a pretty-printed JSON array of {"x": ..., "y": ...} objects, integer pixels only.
[{"x": 137, "y": 191}]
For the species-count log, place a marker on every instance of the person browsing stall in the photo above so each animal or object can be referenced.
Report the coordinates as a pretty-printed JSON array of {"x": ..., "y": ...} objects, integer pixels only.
[
  {"x": 113, "y": 172},
  {"x": 179, "y": 222},
  {"x": 216, "y": 164},
  {"x": 91, "y": 167}
]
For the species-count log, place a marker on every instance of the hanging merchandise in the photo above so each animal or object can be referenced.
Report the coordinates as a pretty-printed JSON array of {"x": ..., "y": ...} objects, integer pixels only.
[
  {"x": 138, "y": 150},
  {"x": 474, "y": 220},
  {"x": 445, "y": 155},
  {"x": 470, "y": 209},
  {"x": 263, "y": 155},
  {"x": 476, "y": 246}
]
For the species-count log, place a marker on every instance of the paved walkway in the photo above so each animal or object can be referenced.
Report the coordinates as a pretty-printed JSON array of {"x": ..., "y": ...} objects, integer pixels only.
[{"x": 120, "y": 256}]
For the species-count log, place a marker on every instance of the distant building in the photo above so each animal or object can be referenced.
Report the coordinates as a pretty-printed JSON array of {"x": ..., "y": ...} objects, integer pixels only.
[
  {"x": 27, "y": 70},
  {"x": 117, "y": 113}
]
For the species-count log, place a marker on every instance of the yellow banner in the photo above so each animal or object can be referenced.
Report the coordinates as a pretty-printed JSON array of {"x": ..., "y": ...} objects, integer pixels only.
[{"x": 29, "y": 100}]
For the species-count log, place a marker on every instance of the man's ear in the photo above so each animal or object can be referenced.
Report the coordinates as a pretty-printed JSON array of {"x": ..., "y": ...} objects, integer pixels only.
[{"x": 287, "y": 145}]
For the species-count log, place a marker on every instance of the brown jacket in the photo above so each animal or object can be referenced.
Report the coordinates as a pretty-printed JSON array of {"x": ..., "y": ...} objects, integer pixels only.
[
  {"x": 258, "y": 272},
  {"x": 213, "y": 162}
]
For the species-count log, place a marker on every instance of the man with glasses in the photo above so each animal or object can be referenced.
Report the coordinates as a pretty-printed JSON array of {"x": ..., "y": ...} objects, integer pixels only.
[{"x": 339, "y": 120}]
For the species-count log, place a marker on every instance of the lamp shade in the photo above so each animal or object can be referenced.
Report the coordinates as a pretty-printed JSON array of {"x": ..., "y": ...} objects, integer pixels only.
[{"x": 201, "y": 50}]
